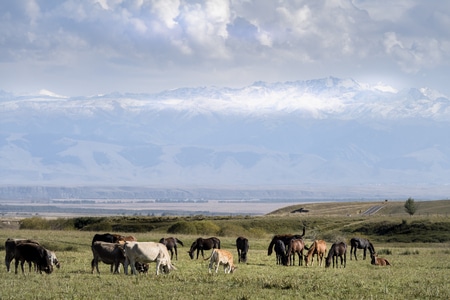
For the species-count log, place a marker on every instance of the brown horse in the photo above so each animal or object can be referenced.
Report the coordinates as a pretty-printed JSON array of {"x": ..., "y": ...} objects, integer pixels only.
[
  {"x": 379, "y": 261},
  {"x": 319, "y": 248},
  {"x": 171, "y": 244},
  {"x": 337, "y": 250},
  {"x": 201, "y": 244},
  {"x": 296, "y": 246},
  {"x": 286, "y": 238}
]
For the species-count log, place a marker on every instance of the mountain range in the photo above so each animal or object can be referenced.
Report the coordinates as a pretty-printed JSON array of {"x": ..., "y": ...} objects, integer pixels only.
[{"x": 315, "y": 135}]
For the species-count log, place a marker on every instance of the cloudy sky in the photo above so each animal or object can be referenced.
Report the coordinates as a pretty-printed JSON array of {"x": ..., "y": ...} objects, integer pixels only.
[{"x": 84, "y": 47}]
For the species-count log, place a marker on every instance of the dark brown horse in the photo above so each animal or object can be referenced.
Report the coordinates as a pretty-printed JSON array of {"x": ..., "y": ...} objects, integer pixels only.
[
  {"x": 171, "y": 244},
  {"x": 203, "y": 244},
  {"x": 360, "y": 243},
  {"x": 242, "y": 248},
  {"x": 337, "y": 250},
  {"x": 286, "y": 238}
]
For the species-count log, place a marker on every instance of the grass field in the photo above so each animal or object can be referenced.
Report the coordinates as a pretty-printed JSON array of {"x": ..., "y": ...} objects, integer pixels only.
[{"x": 418, "y": 271}]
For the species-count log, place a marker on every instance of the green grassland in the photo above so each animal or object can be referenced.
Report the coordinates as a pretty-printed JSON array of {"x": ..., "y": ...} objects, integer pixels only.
[{"x": 418, "y": 248}]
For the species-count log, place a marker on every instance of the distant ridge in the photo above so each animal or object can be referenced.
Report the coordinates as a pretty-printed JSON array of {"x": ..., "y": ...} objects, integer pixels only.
[{"x": 339, "y": 136}]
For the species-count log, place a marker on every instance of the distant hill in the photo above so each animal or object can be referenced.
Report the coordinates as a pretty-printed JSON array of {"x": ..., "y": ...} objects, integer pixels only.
[{"x": 387, "y": 208}]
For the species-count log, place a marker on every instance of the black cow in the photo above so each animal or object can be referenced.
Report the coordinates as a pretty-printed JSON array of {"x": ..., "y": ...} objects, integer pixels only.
[
  {"x": 106, "y": 237},
  {"x": 171, "y": 244},
  {"x": 109, "y": 253},
  {"x": 33, "y": 253},
  {"x": 242, "y": 248},
  {"x": 10, "y": 249}
]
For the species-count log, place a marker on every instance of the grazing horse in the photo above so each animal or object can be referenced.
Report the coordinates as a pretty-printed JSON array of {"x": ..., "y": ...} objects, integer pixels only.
[
  {"x": 319, "y": 248},
  {"x": 296, "y": 246},
  {"x": 286, "y": 238},
  {"x": 379, "y": 261},
  {"x": 280, "y": 251},
  {"x": 337, "y": 250},
  {"x": 203, "y": 244},
  {"x": 171, "y": 244},
  {"x": 242, "y": 248},
  {"x": 360, "y": 243}
]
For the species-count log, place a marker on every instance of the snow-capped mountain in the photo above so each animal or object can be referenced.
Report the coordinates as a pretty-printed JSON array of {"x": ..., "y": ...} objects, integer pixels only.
[{"x": 331, "y": 131}]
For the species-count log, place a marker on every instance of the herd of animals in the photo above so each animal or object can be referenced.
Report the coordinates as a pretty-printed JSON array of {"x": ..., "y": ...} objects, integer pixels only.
[{"x": 114, "y": 250}]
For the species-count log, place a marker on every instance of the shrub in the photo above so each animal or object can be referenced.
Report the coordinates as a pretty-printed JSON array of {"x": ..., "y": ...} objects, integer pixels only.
[{"x": 36, "y": 223}]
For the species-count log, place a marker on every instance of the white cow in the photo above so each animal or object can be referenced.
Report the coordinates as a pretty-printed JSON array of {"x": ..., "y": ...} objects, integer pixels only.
[
  {"x": 221, "y": 257},
  {"x": 146, "y": 252}
]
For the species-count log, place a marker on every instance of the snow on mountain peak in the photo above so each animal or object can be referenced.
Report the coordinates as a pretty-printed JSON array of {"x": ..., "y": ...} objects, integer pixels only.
[{"x": 48, "y": 93}]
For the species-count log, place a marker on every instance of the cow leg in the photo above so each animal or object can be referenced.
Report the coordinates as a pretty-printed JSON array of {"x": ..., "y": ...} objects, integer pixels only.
[
  {"x": 16, "y": 264},
  {"x": 217, "y": 266},
  {"x": 158, "y": 265},
  {"x": 8, "y": 260},
  {"x": 133, "y": 267}
]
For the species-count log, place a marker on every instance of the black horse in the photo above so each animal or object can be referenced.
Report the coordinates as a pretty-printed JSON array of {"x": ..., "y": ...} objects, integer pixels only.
[
  {"x": 171, "y": 244},
  {"x": 280, "y": 251},
  {"x": 286, "y": 238},
  {"x": 242, "y": 248},
  {"x": 360, "y": 243},
  {"x": 337, "y": 250},
  {"x": 203, "y": 244}
]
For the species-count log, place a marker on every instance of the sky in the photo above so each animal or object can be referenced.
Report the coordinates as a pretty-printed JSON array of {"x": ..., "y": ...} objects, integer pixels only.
[{"x": 88, "y": 47}]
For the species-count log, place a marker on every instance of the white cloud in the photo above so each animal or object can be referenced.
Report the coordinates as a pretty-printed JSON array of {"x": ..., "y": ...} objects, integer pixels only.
[{"x": 240, "y": 40}]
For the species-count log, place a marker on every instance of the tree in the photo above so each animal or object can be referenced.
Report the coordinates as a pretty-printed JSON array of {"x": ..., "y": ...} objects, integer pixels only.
[{"x": 410, "y": 206}]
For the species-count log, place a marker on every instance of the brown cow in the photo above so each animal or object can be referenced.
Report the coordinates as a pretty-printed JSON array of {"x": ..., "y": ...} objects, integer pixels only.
[
  {"x": 379, "y": 261},
  {"x": 319, "y": 248},
  {"x": 33, "y": 253},
  {"x": 109, "y": 253},
  {"x": 10, "y": 249}
]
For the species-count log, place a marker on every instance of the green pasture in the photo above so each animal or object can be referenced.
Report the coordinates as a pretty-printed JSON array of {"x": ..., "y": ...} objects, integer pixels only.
[{"x": 418, "y": 271}]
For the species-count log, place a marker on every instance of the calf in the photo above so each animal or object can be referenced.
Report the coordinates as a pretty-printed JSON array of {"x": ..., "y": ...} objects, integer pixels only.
[
  {"x": 109, "y": 253},
  {"x": 10, "y": 249},
  {"x": 33, "y": 253},
  {"x": 379, "y": 261},
  {"x": 224, "y": 257},
  {"x": 54, "y": 261}
]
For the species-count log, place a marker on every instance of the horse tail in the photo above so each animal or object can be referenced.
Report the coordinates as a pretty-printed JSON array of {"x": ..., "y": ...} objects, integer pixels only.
[
  {"x": 270, "y": 249},
  {"x": 304, "y": 231},
  {"x": 179, "y": 242}
]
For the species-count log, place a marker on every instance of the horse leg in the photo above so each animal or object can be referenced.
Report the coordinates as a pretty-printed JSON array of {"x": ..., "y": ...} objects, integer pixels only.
[
  {"x": 364, "y": 254},
  {"x": 176, "y": 252}
]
